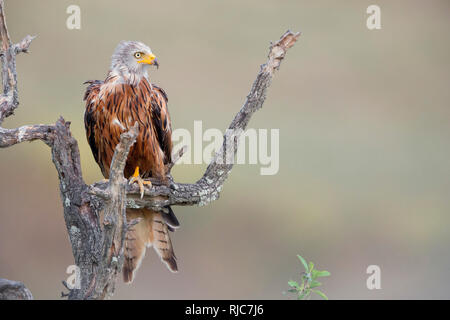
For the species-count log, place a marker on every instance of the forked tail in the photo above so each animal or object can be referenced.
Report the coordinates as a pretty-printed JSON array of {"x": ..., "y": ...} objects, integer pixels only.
[{"x": 152, "y": 230}]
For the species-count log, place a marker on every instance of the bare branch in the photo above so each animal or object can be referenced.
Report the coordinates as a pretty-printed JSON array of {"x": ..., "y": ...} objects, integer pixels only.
[
  {"x": 6, "y": 41},
  {"x": 176, "y": 156},
  {"x": 23, "y": 45},
  {"x": 9, "y": 99},
  {"x": 14, "y": 290},
  {"x": 10, "y": 137},
  {"x": 114, "y": 222}
]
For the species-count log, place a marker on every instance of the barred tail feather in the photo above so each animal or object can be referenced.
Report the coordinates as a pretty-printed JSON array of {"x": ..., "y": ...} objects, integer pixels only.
[
  {"x": 161, "y": 242},
  {"x": 135, "y": 244},
  {"x": 150, "y": 231}
]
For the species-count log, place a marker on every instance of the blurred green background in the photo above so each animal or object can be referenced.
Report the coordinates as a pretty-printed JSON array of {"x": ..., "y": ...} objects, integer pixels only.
[{"x": 364, "y": 126}]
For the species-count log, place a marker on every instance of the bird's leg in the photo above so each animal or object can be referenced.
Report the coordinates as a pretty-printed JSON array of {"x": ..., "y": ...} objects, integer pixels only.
[{"x": 137, "y": 178}]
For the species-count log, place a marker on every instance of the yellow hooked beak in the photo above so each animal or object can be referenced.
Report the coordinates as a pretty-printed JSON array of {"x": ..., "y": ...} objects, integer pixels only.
[{"x": 149, "y": 59}]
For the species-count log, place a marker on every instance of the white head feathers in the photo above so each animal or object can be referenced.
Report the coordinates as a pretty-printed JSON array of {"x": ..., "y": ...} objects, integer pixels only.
[{"x": 130, "y": 61}]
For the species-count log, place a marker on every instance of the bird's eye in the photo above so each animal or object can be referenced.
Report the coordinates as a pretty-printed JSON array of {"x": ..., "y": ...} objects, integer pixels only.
[{"x": 137, "y": 55}]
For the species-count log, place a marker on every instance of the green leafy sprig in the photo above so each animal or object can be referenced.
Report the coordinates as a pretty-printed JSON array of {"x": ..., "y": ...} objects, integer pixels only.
[{"x": 309, "y": 282}]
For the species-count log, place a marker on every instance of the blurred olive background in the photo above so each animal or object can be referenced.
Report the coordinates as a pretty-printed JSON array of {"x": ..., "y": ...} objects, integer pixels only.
[{"x": 364, "y": 126}]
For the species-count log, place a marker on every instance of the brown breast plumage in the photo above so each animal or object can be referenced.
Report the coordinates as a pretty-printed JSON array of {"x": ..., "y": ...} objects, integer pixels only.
[{"x": 112, "y": 108}]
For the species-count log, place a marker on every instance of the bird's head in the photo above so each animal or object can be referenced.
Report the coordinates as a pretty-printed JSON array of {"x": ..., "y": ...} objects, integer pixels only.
[{"x": 131, "y": 59}]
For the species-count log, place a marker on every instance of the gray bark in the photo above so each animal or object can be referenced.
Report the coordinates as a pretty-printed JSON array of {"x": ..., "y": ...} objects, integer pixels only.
[{"x": 14, "y": 290}]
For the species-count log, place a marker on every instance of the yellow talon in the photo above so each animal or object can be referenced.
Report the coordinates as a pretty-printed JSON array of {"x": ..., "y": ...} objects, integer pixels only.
[{"x": 137, "y": 178}]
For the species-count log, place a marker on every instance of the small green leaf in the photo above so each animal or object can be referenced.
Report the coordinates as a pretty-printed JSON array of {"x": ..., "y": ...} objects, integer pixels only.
[
  {"x": 293, "y": 284},
  {"x": 322, "y": 274},
  {"x": 311, "y": 266},
  {"x": 303, "y": 262},
  {"x": 315, "y": 284},
  {"x": 320, "y": 293}
]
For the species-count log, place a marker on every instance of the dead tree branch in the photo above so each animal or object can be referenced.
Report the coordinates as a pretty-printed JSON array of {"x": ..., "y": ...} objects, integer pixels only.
[
  {"x": 14, "y": 290},
  {"x": 97, "y": 244}
]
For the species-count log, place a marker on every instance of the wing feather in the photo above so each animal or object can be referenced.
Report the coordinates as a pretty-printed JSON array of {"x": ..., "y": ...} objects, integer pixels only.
[
  {"x": 162, "y": 122},
  {"x": 90, "y": 122}
]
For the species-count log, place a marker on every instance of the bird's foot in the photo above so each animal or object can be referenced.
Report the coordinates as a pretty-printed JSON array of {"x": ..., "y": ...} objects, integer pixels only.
[{"x": 141, "y": 182}]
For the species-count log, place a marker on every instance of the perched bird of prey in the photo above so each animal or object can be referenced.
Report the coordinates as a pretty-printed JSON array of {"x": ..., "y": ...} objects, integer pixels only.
[{"x": 113, "y": 106}]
